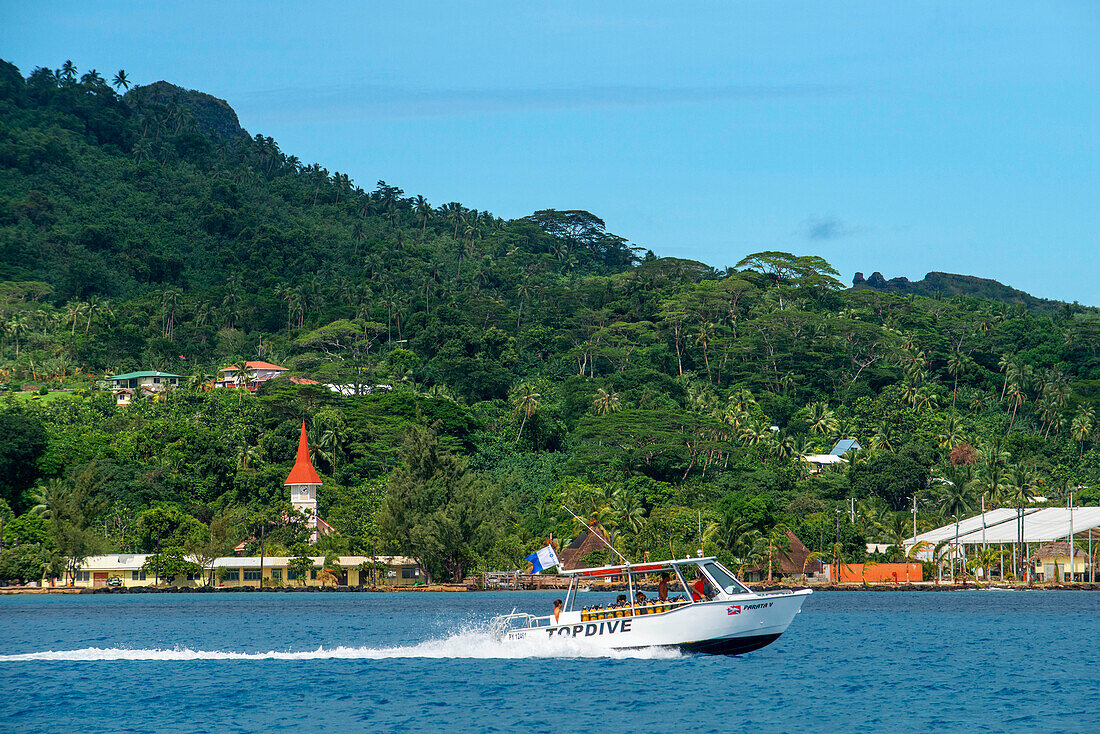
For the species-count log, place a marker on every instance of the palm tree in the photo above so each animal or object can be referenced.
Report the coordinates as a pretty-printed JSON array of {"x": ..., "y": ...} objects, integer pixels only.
[
  {"x": 954, "y": 499},
  {"x": 606, "y": 401},
  {"x": 74, "y": 310},
  {"x": 68, "y": 71},
  {"x": 926, "y": 399},
  {"x": 951, "y": 435},
  {"x": 822, "y": 420},
  {"x": 810, "y": 558},
  {"x": 837, "y": 551},
  {"x": 16, "y": 326},
  {"x": 881, "y": 440},
  {"x": 956, "y": 364},
  {"x": 984, "y": 558},
  {"x": 202, "y": 380},
  {"x": 169, "y": 303},
  {"x": 1016, "y": 398},
  {"x": 748, "y": 549},
  {"x": 243, "y": 378},
  {"x": 911, "y": 554},
  {"x": 1007, "y": 365},
  {"x": 991, "y": 481},
  {"x": 1022, "y": 484},
  {"x": 940, "y": 552},
  {"x": 423, "y": 210},
  {"x": 629, "y": 509},
  {"x": 1081, "y": 428},
  {"x": 869, "y": 563},
  {"x": 93, "y": 308},
  {"x": 526, "y": 402},
  {"x": 121, "y": 80},
  {"x": 779, "y": 544}
]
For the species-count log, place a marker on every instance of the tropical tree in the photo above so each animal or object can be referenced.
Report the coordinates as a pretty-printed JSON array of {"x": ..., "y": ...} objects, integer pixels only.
[
  {"x": 525, "y": 402},
  {"x": 912, "y": 553},
  {"x": 1081, "y": 429},
  {"x": 951, "y": 433},
  {"x": 1023, "y": 483},
  {"x": 779, "y": 544},
  {"x": 68, "y": 71},
  {"x": 606, "y": 401},
  {"x": 121, "y": 80},
  {"x": 93, "y": 308},
  {"x": 956, "y": 365},
  {"x": 436, "y": 510},
  {"x": 821, "y": 420},
  {"x": 940, "y": 553}
]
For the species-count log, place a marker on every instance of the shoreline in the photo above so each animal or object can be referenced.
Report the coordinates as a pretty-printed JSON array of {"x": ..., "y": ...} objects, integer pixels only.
[{"x": 463, "y": 588}]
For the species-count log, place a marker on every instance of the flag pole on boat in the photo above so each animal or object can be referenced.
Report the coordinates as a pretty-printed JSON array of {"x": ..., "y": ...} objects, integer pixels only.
[{"x": 620, "y": 555}]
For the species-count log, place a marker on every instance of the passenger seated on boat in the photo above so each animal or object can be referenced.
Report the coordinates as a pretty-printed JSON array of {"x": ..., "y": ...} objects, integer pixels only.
[
  {"x": 700, "y": 588},
  {"x": 621, "y": 600},
  {"x": 662, "y": 588},
  {"x": 558, "y": 605},
  {"x": 640, "y": 598}
]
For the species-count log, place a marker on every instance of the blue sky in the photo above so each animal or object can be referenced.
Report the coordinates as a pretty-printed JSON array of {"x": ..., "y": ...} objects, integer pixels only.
[{"x": 962, "y": 137}]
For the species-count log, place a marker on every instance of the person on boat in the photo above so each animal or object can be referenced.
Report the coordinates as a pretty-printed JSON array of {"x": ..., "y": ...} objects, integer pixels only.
[
  {"x": 640, "y": 598},
  {"x": 620, "y": 601},
  {"x": 558, "y": 605},
  {"x": 700, "y": 588},
  {"x": 662, "y": 588}
]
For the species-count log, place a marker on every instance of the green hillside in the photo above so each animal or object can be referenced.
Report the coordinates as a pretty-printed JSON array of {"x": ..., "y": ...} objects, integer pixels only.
[
  {"x": 947, "y": 285},
  {"x": 530, "y": 362}
]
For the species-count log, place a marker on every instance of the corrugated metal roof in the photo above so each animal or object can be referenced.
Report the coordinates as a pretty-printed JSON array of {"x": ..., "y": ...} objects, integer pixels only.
[
  {"x": 844, "y": 445},
  {"x": 966, "y": 525},
  {"x": 138, "y": 375},
  {"x": 1042, "y": 525}
]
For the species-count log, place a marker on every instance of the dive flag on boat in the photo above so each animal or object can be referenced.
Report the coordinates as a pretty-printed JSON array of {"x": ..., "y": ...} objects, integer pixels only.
[{"x": 543, "y": 559}]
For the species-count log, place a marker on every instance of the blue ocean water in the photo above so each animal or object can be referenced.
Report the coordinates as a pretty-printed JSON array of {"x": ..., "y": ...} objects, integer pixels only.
[{"x": 852, "y": 661}]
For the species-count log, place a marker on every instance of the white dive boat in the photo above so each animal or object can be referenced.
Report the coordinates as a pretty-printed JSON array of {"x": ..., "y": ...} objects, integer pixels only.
[{"x": 706, "y": 610}]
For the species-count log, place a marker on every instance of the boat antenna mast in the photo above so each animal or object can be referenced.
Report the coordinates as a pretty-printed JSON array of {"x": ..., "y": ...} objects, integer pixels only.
[{"x": 602, "y": 540}]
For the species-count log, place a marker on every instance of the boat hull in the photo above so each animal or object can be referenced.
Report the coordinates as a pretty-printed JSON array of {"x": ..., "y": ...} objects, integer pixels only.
[{"x": 732, "y": 626}]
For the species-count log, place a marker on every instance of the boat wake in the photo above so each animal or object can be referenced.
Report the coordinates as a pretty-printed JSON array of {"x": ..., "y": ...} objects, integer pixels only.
[{"x": 471, "y": 645}]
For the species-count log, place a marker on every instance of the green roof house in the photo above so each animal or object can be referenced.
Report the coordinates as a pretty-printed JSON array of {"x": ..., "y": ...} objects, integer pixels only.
[{"x": 126, "y": 387}]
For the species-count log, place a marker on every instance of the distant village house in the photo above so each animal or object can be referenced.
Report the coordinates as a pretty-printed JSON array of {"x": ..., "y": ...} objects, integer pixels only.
[
  {"x": 133, "y": 385},
  {"x": 818, "y": 462},
  {"x": 256, "y": 373}
]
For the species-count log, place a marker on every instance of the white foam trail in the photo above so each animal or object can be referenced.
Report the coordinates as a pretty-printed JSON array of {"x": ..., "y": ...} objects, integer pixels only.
[{"x": 465, "y": 645}]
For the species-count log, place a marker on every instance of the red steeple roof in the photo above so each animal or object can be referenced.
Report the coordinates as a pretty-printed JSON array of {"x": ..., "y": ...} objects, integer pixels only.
[{"x": 303, "y": 471}]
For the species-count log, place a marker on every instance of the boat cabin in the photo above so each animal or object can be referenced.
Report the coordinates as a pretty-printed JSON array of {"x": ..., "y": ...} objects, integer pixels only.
[{"x": 688, "y": 581}]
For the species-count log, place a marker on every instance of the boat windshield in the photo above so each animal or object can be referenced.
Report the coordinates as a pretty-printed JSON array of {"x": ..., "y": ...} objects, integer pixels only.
[{"x": 725, "y": 579}]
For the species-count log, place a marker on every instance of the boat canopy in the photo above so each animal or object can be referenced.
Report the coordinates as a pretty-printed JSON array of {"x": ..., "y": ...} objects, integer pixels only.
[{"x": 647, "y": 567}]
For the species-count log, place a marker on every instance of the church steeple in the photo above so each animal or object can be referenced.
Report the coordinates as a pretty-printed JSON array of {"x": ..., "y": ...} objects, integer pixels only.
[
  {"x": 303, "y": 471},
  {"x": 303, "y": 482}
]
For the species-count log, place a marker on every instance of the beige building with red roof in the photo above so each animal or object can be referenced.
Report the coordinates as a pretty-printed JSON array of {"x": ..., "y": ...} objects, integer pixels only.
[{"x": 256, "y": 372}]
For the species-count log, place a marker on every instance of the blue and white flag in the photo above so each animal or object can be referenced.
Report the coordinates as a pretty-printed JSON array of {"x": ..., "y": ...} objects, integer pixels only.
[{"x": 543, "y": 559}]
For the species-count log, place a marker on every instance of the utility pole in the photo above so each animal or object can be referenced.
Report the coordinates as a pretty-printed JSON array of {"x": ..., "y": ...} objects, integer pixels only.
[
  {"x": 983, "y": 523},
  {"x": 852, "y": 510},
  {"x": 914, "y": 518},
  {"x": 1069, "y": 506}
]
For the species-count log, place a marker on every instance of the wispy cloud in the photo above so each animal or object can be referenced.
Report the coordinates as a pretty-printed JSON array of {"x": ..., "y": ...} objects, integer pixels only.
[
  {"x": 828, "y": 228},
  {"x": 374, "y": 101}
]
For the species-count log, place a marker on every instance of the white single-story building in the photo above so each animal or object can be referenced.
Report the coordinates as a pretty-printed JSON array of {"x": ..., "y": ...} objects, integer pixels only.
[{"x": 229, "y": 571}]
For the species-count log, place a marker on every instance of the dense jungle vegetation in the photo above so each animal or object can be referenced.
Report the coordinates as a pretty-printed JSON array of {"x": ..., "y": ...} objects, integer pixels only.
[{"x": 499, "y": 368}]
